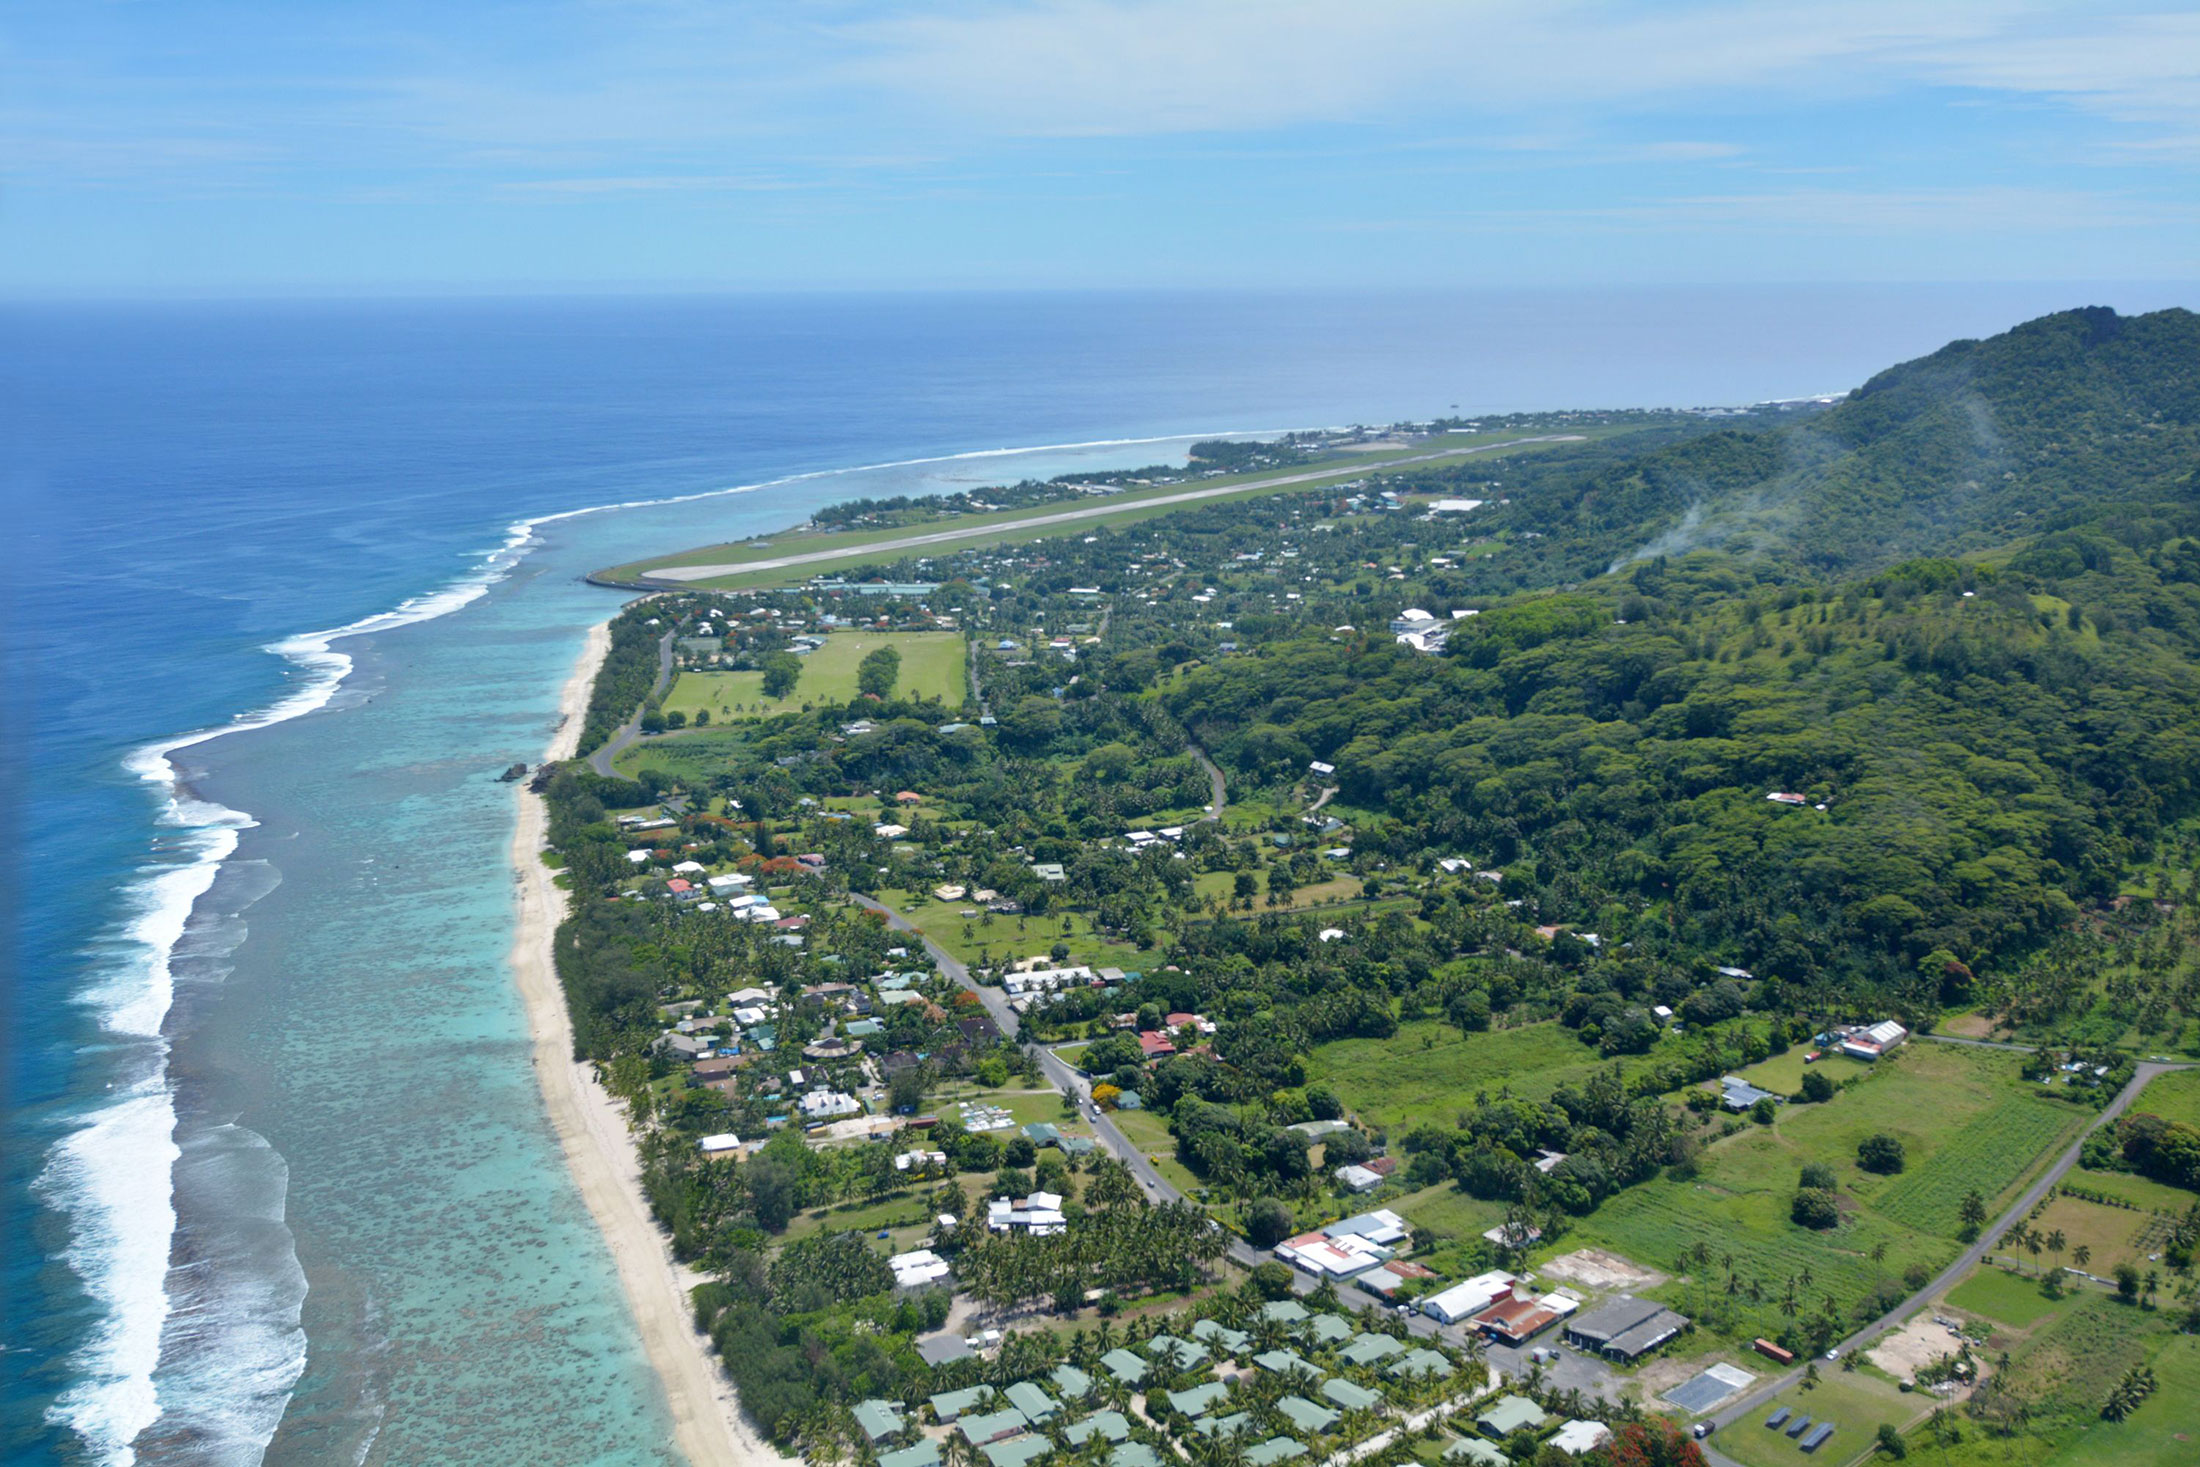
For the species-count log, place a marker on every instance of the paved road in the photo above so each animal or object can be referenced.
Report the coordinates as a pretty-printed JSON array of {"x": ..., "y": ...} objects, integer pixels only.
[
  {"x": 1218, "y": 796},
  {"x": 629, "y": 731},
  {"x": 684, "y": 573},
  {"x": 1969, "y": 1258}
]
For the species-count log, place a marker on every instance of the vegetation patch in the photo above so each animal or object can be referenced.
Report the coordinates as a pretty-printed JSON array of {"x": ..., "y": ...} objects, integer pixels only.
[{"x": 1987, "y": 1156}]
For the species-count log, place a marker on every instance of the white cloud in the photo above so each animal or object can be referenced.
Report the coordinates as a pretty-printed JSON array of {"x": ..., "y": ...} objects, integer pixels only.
[{"x": 1071, "y": 67}]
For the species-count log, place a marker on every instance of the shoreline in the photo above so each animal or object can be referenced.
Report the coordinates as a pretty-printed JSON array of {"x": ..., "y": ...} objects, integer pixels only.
[{"x": 708, "y": 1425}]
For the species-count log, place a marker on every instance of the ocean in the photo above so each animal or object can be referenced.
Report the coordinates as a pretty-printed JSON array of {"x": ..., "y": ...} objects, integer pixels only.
[{"x": 288, "y": 583}]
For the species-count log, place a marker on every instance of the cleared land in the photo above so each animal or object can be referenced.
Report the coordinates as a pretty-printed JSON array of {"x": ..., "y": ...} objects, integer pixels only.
[
  {"x": 2004, "y": 1298},
  {"x": 792, "y": 554},
  {"x": 931, "y": 667},
  {"x": 1427, "y": 1072}
]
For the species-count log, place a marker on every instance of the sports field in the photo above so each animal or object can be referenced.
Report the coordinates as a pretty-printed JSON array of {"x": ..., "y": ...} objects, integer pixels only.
[{"x": 931, "y": 667}]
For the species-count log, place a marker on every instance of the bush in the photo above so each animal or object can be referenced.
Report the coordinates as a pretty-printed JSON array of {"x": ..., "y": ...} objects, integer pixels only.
[
  {"x": 1814, "y": 1207},
  {"x": 1881, "y": 1153},
  {"x": 1819, "y": 1176},
  {"x": 1763, "y": 1111}
]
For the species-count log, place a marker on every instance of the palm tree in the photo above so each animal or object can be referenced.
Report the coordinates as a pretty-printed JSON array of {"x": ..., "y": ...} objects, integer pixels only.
[
  {"x": 1879, "y": 1256},
  {"x": 2081, "y": 1256},
  {"x": 2055, "y": 1242}
]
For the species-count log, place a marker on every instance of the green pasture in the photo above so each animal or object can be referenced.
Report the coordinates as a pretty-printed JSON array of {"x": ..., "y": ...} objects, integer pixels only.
[
  {"x": 1428, "y": 1072},
  {"x": 2005, "y": 1298},
  {"x": 931, "y": 667},
  {"x": 2163, "y": 1432},
  {"x": 1783, "y": 1073},
  {"x": 2174, "y": 1097}
]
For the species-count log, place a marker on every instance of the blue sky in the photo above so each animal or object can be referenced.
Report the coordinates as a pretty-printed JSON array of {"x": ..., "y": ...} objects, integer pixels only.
[{"x": 313, "y": 145}]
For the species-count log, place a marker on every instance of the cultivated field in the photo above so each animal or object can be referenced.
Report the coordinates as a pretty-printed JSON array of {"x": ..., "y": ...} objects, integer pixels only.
[{"x": 1989, "y": 1155}]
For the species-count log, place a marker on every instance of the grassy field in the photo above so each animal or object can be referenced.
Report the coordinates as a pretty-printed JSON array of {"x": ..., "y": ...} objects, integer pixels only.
[
  {"x": 1427, "y": 1072},
  {"x": 2115, "y": 1234},
  {"x": 2150, "y": 1196},
  {"x": 1010, "y": 937},
  {"x": 1932, "y": 1097},
  {"x": 1856, "y": 1402},
  {"x": 975, "y": 531},
  {"x": 931, "y": 667},
  {"x": 1783, "y": 1073},
  {"x": 2165, "y": 1432},
  {"x": 2004, "y": 1297},
  {"x": 1150, "y": 1134},
  {"x": 2173, "y": 1097}
]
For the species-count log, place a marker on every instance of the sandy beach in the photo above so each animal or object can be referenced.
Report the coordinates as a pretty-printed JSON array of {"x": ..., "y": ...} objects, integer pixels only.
[{"x": 708, "y": 1425}]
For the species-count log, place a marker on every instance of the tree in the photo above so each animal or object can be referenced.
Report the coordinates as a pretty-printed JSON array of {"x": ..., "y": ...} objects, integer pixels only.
[
  {"x": 771, "y": 1193},
  {"x": 1268, "y": 1222},
  {"x": 2081, "y": 1255},
  {"x": 1271, "y": 1280},
  {"x": 877, "y": 673},
  {"x": 1972, "y": 1213},
  {"x": 1881, "y": 1153},
  {"x": 1891, "y": 1442},
  {"x": 1817, "y": 1086},
  {"x": 782, "y": 670},
  {"x": 1763, "y": 1111},
  {"x": 1655, "y": 1441},
  {"x": 1814, "y": 1207},
  {"x": 1818, "y": 1174},
  {"x": 2127, "y": 1283}
]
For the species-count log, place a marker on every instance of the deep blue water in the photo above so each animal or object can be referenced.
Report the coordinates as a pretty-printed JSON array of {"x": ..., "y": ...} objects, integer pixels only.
[{"x": 286, "y": 1163}]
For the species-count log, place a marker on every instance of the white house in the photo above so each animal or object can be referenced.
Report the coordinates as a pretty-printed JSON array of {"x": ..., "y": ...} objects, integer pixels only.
[
  {"x": 1471, "y": 1297},
  {"x": 1359, "y": 1178},
  {"x": 1576, "y": 1437},
  {"x": 824, "y": 1105}
]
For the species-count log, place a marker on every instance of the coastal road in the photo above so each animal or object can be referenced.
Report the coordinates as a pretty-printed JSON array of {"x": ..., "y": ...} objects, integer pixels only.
[
  {"x": 684, "y": 573},
  {"x": 629, "y": 731},
  {"x": 1964, "y": 1263}
]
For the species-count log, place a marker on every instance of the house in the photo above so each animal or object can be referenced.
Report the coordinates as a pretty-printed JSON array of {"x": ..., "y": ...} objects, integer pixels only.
[
  {"x": 1221, "y": 1336},
  {"x": 1515, "y": 1320},
  {"x": 1074, "y": 1384},
  {"x": 1325, "y": 1257},
  {"x": 1049, "y": 871},
  {"x": 991, "y": 1426},
  {"x": 1576, "y": 1437},
  {"x": 1737, "y": 1094},
  {"x": 1275, "y": 1449},
  {"x": 1870, "y": 1043},
  {"x": 1381, "y": 1227},
  {"x": 1510, "y": 1414},
  {"x": 1322, "y": 769},
  {"x": 1346, "y": 1396},
  {"x": 1368, "y": 1350},
  {"x": 824, "y": 1105},
  {"x": 918, "y": 1268},
  {"x": 878, "y": 1420},
  {"x": 1474, "y": 1452},
  {"x": 1285, "y": 1362},
  {"x": 1284, "y": 1312},
  {"x": 949, "y": 1406},
  {"x": 1199, "y": 1400},
  {"x": 1037, "y": 1406},
  {"x": 1124, "y": 1366},
  {"x": 1358, "y": 1178},
  {"x": 1625, "y": 1328},
  {"x": 923, "y": 1454},
  {"x": 1307, "y": 1416},
  {"x": 1111, "y": 1424},
  {"x": 723, "y": 1147},
  {"x": 1456, "y": 1303},
  {"x": 1418, "y": 1363},
  {"x": 1183, "y": 1354},
  {"x": 1385, "y": 1281},
  {"x": 1155, "y": 1045}
]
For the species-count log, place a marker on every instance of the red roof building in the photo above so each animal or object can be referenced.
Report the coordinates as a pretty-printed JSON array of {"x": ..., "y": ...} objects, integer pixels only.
[
  {"x": 1514, "y": 1319},
  {"x": 1155, "y": 1045}
]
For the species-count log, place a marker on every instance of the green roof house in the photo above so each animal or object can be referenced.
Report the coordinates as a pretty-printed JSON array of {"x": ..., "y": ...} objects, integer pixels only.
[
  {"x": 1275, "y": 1449},
  {"x": 1183, "y": 1354},
  {"x": 1284, "y": 1311},
  {"x": 1307, "y": 1416},
  {"x": 1328, "y": 1329},
  {"x": 1019, "y": 1451},
  {"x": 950, "y": 1404},
  {"x": 1346, "y": 1396},
  {"x": 991, "y": 1426},
  {"x": 1133, "y": 1454},
  {"x": 1124, "y": 1366},
  {"x": 1509, "y": 1415},
  {"x": 879, "y": 1420},
  {"x": 1236, "y": 1423},
  {"x": 1418, "y": 1362},
  {"x": 923, "y": 1454},
  {"x": 1213, "y": 1332},
  {"x": 1111, "y": 1424},
  {"x": 1283, "y": 1362},
  {"x": 1466, "y": 1450},
  {"x": 1199, "y": 1400},
  {"x": 1038, "y": 1407},
  {"x": 1369, "y": 1349},
  {"x": 1073, "y": 1383}
]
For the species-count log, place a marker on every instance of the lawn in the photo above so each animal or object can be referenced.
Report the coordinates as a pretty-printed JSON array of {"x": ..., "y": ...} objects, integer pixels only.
[
  {"x": 1783, "y": 1073},
  {"x": 1856, "y": 1402},
  {"x": 931, "y": 667},
  {"x": 1428, "y": 1072},
  {"x": 2004, "y": 1298}
]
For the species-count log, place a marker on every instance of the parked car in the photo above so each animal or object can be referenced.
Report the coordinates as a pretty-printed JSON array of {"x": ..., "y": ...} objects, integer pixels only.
[{"x": 1703, "y": 1429}]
